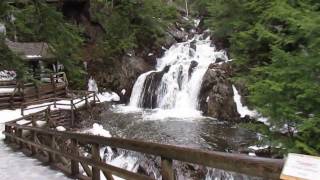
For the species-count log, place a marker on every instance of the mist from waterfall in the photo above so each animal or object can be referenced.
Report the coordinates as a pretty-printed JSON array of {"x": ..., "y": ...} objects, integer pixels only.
[{"x": 178, "y": 90}]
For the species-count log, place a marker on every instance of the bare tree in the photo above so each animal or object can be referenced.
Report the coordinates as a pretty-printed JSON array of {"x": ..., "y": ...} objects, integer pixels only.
[{"x": 187, "y": 11}]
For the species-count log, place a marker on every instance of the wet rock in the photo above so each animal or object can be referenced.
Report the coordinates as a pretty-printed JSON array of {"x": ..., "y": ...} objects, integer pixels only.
[
  {"x": 216, "y": 94},
  {"x": 221, "y": 43},
  {"x": 180, "y": 77},
  {"x": 169, "y": 40},
  {"x": 191, "y": 68},
  {"x": 151, "y": 84},
  {"x": 193, "y": 45},
  {"x": 248, "y": 119},
  {"x": 219, "y": 60},
  {"x": 179, "y": 36},
  {"x": 192, "y": 52},
  {"x": 263, "y": 152}
]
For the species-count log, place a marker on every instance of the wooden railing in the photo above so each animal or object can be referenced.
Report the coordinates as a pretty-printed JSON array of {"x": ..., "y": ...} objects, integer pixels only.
[
  {"x": 66, "y": 147},
  {"x": 52, "y": 85},
  {"x": 77, "y": 97}
]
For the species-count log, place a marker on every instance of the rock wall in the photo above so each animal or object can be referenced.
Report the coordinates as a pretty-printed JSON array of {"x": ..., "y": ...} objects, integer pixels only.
[
  {"x": 119, "y": 75},
  {"x": 216, "y": 94}
]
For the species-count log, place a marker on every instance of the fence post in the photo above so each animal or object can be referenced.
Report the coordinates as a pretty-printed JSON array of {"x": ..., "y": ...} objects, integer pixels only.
[
  {"x": 96, "y": 157},
  {"x": 34, "y": 135},
  {"x": 94, "y": 98},
  {"x": 22, "y": 110},
  {"x": 7, "y": 130},
  {"x": 74, "y": 164},
  {"x": 53, "y": 85},
  {"x": 86, "y": 100},
  {"x": 166, "y": 169},
  {"x": 37, "y": 90},
  {"x": 52, "y": 155},
  {"x": 22, "y": 93},
  {"x": 19, "y": 134},
  {"x": 33, "y": 149},
  {"x": 48, "y": 114}
]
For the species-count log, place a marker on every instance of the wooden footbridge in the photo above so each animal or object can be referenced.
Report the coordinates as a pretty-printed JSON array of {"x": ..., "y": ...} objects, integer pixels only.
[
  {"x": 53, "y": 85},
  {"x": 65, "y": 151}
]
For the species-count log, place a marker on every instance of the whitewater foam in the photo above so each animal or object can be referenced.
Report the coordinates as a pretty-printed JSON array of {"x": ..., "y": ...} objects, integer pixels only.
[{"x": 177, "y": 93}]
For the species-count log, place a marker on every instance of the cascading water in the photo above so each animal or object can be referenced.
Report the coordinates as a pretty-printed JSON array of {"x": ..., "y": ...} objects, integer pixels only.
[
  {"x": 174, "y": 86},
  {"x": 92, "y": 85}
]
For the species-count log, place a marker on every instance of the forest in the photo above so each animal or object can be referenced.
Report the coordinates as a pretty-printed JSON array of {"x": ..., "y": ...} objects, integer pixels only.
[{"x": 274, "y": 45}]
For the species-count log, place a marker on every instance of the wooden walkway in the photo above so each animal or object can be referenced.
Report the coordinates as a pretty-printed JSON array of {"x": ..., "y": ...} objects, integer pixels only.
[
  {"x": 64, "y": 150},
  {"x": 50, "y": 86}
]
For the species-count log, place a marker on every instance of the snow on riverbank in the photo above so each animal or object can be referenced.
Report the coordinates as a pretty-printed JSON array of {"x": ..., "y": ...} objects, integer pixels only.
[
  {"x": 6, "y": 90},
  {"x": 108, "y": 97},
  {"x": 9, "y": 115},
  {"x": 97, "y": 130},
  {"x": 30, "y": 169},
  {"x": 16, "y": 166}
]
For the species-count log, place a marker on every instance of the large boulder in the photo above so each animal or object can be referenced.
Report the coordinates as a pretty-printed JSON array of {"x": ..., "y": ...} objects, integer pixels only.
[
  {"x": 216, "y": 94},
  {"x": 178, "y": 34}
]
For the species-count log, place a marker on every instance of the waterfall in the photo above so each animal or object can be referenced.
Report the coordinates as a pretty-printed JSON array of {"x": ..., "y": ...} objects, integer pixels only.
[
  {"x": 175, "y": 84},
  {"x": 92, "y": 85},
  {"x": 137, "y": 90},
  {"x": 242, "y": 109}
]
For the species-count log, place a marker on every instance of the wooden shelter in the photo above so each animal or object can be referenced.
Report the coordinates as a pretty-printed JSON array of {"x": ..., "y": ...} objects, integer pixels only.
[{"x": 37, "y": 55}]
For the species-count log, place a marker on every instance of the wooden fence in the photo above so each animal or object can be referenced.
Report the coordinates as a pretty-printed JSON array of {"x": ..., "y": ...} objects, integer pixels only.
[
  {"x": 66, "y": 148},
  {"x": 87, "y": 98},
  {"x": 51, "y": 85}
]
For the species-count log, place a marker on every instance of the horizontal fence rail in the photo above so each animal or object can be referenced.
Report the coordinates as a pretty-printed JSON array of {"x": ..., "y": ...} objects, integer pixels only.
[{"x": 239, "y": 163}]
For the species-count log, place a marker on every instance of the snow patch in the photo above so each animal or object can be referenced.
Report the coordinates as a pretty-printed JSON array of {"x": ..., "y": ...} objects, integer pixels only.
[
  {"x": 41, "y": 123},
  {"x": 33, "y": 56},
  {"x": 123, "y": 91},
  {"x": 106, "y": 96},
  {"x": 256, "y": 147},
  {"x": 97, "y": 130},
  {"x": 22, "y": 122},
  {"x": 6, "y": 90},
  {"x": 61, "y": 128}
]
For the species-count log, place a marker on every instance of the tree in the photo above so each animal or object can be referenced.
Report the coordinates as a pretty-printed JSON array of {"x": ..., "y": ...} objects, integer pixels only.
[
  {"x": 275, "y": 46},
  {"x": 36, "y": 21},
  {"x": 131, "y": 25}
]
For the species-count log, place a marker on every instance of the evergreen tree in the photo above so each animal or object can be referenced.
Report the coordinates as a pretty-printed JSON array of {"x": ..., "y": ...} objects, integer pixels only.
[{"x": 275, "y": 47}]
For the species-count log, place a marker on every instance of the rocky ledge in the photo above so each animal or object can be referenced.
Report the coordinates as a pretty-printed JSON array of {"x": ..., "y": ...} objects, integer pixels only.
[{"x": 216, "y": 94}]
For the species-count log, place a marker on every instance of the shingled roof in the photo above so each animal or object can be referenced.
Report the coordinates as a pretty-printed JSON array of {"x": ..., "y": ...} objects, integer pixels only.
[{"x": 30, "y": 50}]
